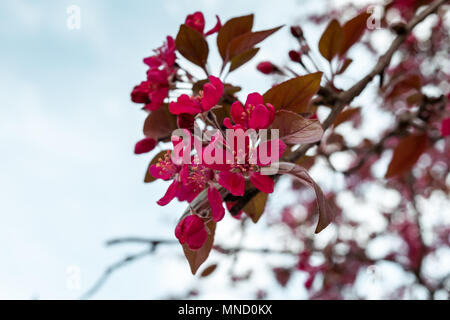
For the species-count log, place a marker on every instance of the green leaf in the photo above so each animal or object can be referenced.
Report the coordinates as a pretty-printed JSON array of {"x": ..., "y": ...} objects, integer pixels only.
[
  {"x": 192, "y": 45},
  {"x": 331, "y": 40},
  {"x": 232, "y": 29},
  {"x": 294, "y": 94},
  {"x": 243, "y": 58}
]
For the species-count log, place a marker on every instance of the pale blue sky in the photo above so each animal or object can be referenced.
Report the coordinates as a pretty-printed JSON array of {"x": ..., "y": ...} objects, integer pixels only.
[{"x": 70, "y": 180}]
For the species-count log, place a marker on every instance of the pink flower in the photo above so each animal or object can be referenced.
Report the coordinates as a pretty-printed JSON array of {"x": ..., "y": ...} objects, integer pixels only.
[
  {"x": 145, "y": 145},
  {"x": 215, "y": 200},
  {"x": 164, "y": 55},
  {"x": 254, "y": 115},
  {"x": 445, "y": 127},
  {"x": 155, "y": 89},
  {"x": 196, "y": 21},
  {"x": 207, "y": 99},
  {"x": 266, "y": 67},
  {"x": 188, "y": 179},
  {"x": 232, "y": 174},
  {"x": 191, "y": 230}
]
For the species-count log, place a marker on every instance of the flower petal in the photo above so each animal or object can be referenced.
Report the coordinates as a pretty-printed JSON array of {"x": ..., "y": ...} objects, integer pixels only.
[
  {"x": 259, "y": 118},
  {"x": 253, "y": 99},
  {"x": 237, "y": 113},
  {"x": 216, "y": 27},
  {"x": 215, "y": 200},
  {"x": 184, "y": 104},
  {"x": 212, "y": 92},
  {"x": 262, "y": 182},
  {"x": 170, "y": 193},
  {"x": 264, "y": 153},
  {"x": 233, "y": 182}
]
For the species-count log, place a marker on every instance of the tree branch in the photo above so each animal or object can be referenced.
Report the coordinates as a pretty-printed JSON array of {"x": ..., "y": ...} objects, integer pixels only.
[{"x": 346, "y": 97}]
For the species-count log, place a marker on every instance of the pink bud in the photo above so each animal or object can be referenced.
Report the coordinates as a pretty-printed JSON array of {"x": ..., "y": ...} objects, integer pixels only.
[
  {"x": 145, "y": 145},
  {"x": 266, "y": 67},
  {"x": 297, "y": 32},
  {"x": 294, "y": 55}
]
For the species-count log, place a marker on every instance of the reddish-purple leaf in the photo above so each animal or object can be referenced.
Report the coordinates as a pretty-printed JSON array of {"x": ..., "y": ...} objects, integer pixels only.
[
  {"x": 406, "y": 84},
  {"x": 247, "y": 41},
  {"x": 352, "y": 31},
  {"x": 331, "y": 40},
  {"x": 347, "y": 62},
  {"x": 406, "y": 154},
  {"x": 197, "y": 257},
  {"x": 255, "y": 207},
  {"x": 294, "y": 94},
  {"x": 160, "y": 124},
  {"x": 232, "y": 29},
  {"x": 294, "y": 129},
  {"x": 192, "y": 45},
  {"x": 346, "y": 115},
  {"x": 282, "y": 275},
  {"x": 326, "y": 210},
  {"x": 208, "y": 270},
  {"x": 243, "y": 58}
]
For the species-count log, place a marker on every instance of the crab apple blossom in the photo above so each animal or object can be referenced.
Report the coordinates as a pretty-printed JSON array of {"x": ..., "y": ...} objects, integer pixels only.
[
  {"x": 196, "y": 21},
  {"x": 155, "y": 89},
  {"x": 240, "y": 161},
  {"x": 255, "y": 114},
  {"x": 191, "y": 230},
  {"x": 204, "y": 101}
]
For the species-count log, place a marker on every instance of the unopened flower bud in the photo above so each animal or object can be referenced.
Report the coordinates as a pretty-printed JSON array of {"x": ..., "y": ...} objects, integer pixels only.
[
  {"x": 304, "y": 49},
  {"x": 297, "y": 32},
  {"x": 266, "y": 67},
  {"x": 294, "y": 55}
]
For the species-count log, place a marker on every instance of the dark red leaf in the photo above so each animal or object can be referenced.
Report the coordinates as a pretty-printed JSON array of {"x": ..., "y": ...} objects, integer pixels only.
[
  {"x": 325, "y": 208},
  {"x": 197, "y": 257},
  {"x": 406, "y": 154},
  {"x": 192, "y": 45},
  {"x": 331, "y": 40},
  {"x": 353, "y": 31},
  {"x": 232, "y": 29},
  {"x": 294, "y": 94},
  {"x": 243, "y": 58},
  {"x": 294, "y": 129},
  {"x": 160, "y": 124},
  {"x": 246, "y": 42}
]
